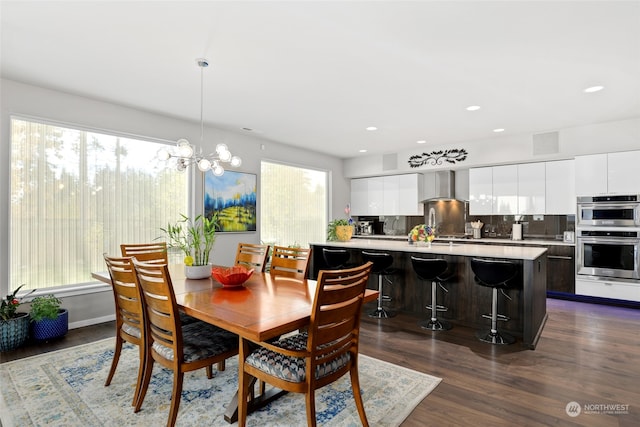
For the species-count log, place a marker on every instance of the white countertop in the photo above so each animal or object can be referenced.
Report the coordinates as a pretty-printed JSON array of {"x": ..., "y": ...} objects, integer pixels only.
[
  {"x": 444, "y": 248},
  {"x": 485, "y": 241}
]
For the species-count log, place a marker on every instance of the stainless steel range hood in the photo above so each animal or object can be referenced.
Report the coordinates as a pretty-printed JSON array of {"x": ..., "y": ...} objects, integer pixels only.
[{"x": 445, "y": 186}]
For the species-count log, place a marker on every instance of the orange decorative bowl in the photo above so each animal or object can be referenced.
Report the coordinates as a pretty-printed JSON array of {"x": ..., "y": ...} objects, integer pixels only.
[{"x": 231, "y": 277}]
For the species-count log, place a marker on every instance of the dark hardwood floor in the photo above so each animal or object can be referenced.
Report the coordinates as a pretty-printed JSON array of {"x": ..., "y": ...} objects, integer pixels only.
[{"x": 588, "y": 353}]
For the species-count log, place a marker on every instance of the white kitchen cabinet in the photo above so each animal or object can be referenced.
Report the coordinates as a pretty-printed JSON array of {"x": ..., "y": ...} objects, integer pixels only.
[
  {"x": 375, "y": 199},
  {"x": 608, "y": 289},
  {"x": 560, "y": 193},
  {"x": 505, "y": 190},
  {"x": 531, "y": 189},
  {"x": 612, "y": 173},
  {"x": 622, "y": 172},
  {"x": 359, "y": 196},
  {"x": 387, "y": 195},
  {"x": 481, "y": 191},
  {"x": 591, "y": 175},
  {"x": 409, "y": 191}
]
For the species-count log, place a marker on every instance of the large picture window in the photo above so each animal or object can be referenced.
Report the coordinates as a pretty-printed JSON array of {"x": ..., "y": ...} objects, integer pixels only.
[
  {"x": 77, "y": 194},
  {"x": 293, "y": 205}
]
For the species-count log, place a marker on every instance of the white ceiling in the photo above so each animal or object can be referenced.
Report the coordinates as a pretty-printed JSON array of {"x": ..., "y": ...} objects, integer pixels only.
[{"x": 316, "y": 74}]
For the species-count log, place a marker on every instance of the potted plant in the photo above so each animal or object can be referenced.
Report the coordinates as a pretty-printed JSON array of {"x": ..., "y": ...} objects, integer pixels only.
[
  {"x": 195, "y": 238},
  {"x": 14, "y": 325},
  {"x": 48, "y": 320}
]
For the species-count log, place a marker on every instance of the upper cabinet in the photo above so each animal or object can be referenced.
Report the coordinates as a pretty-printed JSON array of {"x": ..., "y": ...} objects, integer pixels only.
[
  {"x": 612, "y": 173},
  {"x": 505, "y": 190},
  {"x": 591, "y": 175},
  {"x": 532, "y": 189},
  {"x": 481, "y": 191},
  {"x": 560, "y": 188},
  {"x": 387, "y": 195},
  {"x": 523, "y": 189}
]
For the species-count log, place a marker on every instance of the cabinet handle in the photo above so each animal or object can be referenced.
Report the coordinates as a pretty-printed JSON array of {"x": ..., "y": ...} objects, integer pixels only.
[{"x": 559, "y": 257}]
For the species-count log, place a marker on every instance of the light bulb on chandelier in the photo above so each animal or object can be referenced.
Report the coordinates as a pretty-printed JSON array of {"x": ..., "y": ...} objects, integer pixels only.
[{"x": 184, "y": 154}]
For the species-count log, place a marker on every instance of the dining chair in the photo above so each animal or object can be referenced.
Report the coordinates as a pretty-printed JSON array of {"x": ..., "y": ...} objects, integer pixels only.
[
  {"x": 146, "y": 252},
  {"x": 129, "y": 315},
  {"x": 180, "y": 348},
  {"x": 290, "y": 262},
  {"x": 307, "y": 361},
  {"x": 252, "y": 256}
]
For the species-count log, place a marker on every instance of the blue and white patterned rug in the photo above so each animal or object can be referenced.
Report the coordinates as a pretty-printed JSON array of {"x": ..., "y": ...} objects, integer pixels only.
[{"x": 66, "y": 388}]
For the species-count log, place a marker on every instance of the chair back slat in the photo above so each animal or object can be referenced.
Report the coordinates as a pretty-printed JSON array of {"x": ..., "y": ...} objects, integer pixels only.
[
  {"x": 252, "y": 256},
  {"x": 290, "y": 262},
  {"x": 146, "y": 252}
]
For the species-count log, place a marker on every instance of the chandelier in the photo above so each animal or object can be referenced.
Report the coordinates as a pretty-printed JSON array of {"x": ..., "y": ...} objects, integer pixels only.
[{"x": 184, "y": 154}]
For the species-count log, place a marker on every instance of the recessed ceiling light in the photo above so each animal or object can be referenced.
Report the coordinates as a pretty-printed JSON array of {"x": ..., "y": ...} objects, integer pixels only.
[
  {"x": 362, "y": 151},
  {"x": 593, "y": 89},
  {"x": 372, "y": 128},
  {"x": 498, "y": 130},
  {"x": 473, "y": 107},
  {"x": 422, "y": 141}
]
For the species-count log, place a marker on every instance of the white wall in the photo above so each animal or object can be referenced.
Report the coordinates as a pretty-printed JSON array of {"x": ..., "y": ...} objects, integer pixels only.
[
  {"x": 621, "y": 135},
  {"x": 17, "y": 98}
]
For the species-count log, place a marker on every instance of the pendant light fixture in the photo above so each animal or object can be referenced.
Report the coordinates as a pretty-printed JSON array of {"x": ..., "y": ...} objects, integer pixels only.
[{"x": 184, "y": 154}]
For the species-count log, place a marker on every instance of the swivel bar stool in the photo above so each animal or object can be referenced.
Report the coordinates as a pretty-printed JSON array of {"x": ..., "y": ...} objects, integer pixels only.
[
  {"x": 381, "y": 267},
  {"x": 494, "y": 274},
  {"x": 335, "y": 259},
  {"x": 432, "y": 270}
]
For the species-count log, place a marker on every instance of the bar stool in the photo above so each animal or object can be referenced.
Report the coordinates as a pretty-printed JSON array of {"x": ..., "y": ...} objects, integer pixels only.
[
  {"x": 433, "y": 270},
  {"x": 382, "y": 268},
  {"x": 494, "y": 274},
  {"x": 335, "y": 259}
]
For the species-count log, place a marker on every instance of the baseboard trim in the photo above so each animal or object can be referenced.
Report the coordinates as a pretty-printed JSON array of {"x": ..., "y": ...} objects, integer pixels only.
[{"x": 93, "y": 321}]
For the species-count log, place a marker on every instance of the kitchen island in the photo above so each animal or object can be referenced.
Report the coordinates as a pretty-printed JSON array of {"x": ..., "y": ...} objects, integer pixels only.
[{"x": 466, "y": 300}]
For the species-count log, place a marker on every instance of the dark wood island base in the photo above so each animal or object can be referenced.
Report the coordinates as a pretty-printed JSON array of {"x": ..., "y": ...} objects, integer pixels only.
[{"x": 466, "y": 300}]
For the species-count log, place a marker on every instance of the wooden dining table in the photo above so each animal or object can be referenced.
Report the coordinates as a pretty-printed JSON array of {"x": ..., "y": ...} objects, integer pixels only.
[{"x": 265, "y": 307}]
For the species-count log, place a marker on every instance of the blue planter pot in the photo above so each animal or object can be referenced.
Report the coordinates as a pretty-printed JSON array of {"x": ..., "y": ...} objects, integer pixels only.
[
  {"x": 14, "y": 332},
  {"x": 47, "y": 329}
]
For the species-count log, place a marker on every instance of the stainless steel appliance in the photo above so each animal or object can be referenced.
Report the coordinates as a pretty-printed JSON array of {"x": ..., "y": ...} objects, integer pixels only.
[
  {"x": 364, "y": 228},
  {"x": 609, "y": 211},
  {"x": 608, "y": 253}
]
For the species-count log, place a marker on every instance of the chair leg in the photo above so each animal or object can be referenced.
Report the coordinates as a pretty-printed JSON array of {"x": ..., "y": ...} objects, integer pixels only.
[
  {"x": 311, "y": 408},
  {"x": 146, "y": 378},
  {"x": 380, "y": 312},
  {"x": 357, "y": 394},
  {"x": 434, "y": 324},
  {"x": 136, "y": 394},
  {"x": 116, "y": 358},
  {"x": 175, "y": 397},
  {"x": 221, "y": 365}
]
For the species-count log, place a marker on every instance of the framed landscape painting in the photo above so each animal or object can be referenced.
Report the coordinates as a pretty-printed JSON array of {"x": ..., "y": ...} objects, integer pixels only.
[{"x": 232, "y": 197}]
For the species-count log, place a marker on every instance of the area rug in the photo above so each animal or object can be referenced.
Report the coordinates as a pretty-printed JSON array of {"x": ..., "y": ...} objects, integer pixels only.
[{"x": 66, "y": 388}]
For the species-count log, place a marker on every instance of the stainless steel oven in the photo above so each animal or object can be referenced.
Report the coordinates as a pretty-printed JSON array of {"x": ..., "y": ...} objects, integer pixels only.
[
  {"x": 609, "y": 211},
  {"x": 611, "y": 253}
]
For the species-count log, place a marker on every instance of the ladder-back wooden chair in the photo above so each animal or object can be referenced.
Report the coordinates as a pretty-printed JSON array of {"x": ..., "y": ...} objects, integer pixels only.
[
  {"x": 312, "y": 359},
  {"x": 252, "y": 256},
  {"x": 290, "y": 262},
  {"x": 180, "y": 348},
  {"x": 129, "y": 315}
]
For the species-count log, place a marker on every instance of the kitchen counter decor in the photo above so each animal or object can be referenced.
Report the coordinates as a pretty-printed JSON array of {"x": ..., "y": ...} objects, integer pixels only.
[{"x": 422, "y": 235}]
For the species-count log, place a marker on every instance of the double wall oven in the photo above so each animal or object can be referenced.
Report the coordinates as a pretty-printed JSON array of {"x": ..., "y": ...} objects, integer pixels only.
[{"x": 608, "y": 240}]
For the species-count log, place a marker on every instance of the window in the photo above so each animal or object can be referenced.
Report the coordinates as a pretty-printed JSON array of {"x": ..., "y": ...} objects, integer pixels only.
[
  {"x": 76, "y": 194},
  {"x": 293, "y": 205}
]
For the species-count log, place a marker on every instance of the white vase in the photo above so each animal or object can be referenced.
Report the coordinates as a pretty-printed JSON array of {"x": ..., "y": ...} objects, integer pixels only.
[{"x": 197, "y": 271}]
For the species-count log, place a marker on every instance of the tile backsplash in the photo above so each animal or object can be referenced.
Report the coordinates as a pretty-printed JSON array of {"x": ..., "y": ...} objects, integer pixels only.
[{"x": 533, "y": 226}]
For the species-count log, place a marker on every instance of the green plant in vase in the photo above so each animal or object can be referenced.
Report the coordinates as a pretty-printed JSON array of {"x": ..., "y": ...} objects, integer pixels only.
[
  {"x": 195, "y": 238},
  {"x": 48, "y": 319}
]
